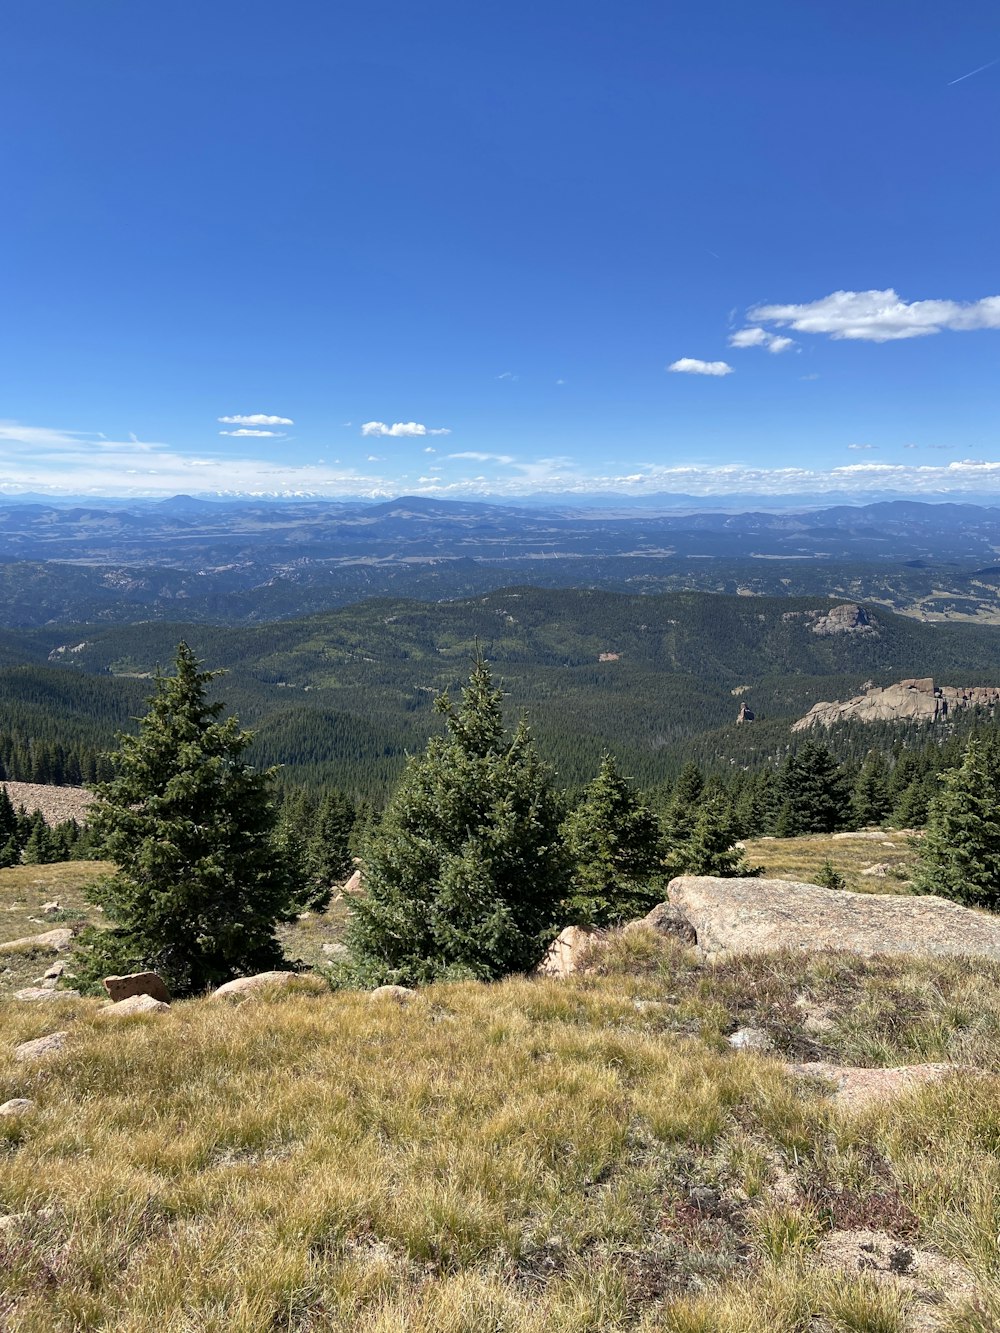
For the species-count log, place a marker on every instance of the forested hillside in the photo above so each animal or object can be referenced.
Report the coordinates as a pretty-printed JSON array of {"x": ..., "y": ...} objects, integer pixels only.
[{"x": 342, "y": 696}]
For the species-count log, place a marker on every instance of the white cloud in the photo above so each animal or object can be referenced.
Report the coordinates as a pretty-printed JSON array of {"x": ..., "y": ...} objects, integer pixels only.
[
  {"x": 60, "y": 462},
  {"x": 880, "y": 316},
  {"x": 508, "y": 375},
  {"x": 256, "y": 419},
  {"x": 430, "y": 449},
  {"x": 402, "y": 428},
  {"x": 243, "y": 432},
  {"x": 483, "y": 458},
  {"x": 690, "y": 365},
  {"x": 760, "y": 338},
  {"x": 560, "y": 381},
  {"x": 862, "y": 446}
]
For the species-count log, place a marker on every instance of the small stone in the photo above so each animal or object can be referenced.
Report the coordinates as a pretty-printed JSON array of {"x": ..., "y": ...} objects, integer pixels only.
[
  {"x": 400, "y": 994},
  {"x": 751, "y": 1039},
  {"x": 568, "y": 951},
  {"x": 247, "y": 985},
  {"x": 34, "y": 993},
  {"x": 17, "y": 1106},
  {"x": 34, "y": 1050},
  {"x": 353, "y": 885},
  {"x": 54, "y": 972},
  {"x": 333, "y": 950},
  {"x": 47, "y": 909},
  {"x": 137, "y": 983},
  {"x": 136, "y": 1004}
]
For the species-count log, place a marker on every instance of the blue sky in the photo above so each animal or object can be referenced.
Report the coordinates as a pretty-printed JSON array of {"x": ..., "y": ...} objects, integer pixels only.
[{"x": 504, "y": 224}]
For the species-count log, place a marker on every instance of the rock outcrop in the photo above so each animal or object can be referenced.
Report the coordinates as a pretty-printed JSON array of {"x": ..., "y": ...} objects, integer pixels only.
[
  {"x": 567, "y": 951},
  {"x": 732, "y": 916},
  {"x": 135, "y": 1004},
  {"x": 915, "y": 700},
  {"x": 241, "y": 986},
  {"x": 859, "y": 1086},
  {"x": 50, "y": 941},
  {"x": 137, "y": 983},
  {"x": 845, "y": 618}
]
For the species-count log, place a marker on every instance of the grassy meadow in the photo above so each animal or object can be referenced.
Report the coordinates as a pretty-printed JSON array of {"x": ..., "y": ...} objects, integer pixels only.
[{"x": 568, "y": 1156}]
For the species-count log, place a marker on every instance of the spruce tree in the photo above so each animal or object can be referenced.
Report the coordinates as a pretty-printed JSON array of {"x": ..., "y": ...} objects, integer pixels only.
[
  {"x": 711, "y": 849},
  {"x": 466, "y": 874},
  {"x": 616, "y": 846},
  {"x": 816, "y": 796},
  {"x": 959, "y": 855},
  {"x": 199, "y": 885},
  {"x": 871, "y": 800}
]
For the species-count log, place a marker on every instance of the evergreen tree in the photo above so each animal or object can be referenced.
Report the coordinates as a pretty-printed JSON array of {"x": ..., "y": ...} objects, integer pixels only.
[
  {"x": 38, "y": 850},
  {"x": 199, "y": 886},
  {"x": 815, "y": 792},
  {"x": 871, "y": 800},
  {"x": 959, "y": 855},
  {"x": 615, "y": 843},
  {"x": 466, "y": 873},
  {"x": 711, "y": 848},
  {"x": 328, "y": 852}
]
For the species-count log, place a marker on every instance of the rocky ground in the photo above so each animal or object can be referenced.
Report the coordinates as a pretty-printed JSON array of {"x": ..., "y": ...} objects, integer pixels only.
[{"x": 57, "y": 804}]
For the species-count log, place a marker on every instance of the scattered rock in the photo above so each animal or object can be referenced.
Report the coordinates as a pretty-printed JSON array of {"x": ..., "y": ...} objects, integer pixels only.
[
  {"x": 334, "y": 950},
  {"x": 56, "y": 803},
  {"x": 666, "y": 919},
  {"x": 33, "y": 993},
  {"x": 137, "y": 983},
  {"x": 568, "y": 951},
  {"x": 247, "y": 985},
  {"x": 47, "y": 909},
  {"x": 861, "y": 834},
  {"x": 353, "y": 885},
  {"x": 751, "y": 1039},
  {"x": 740, "y": 915},
  {"x": 879, "y": 870},
  {"x": 53, "y": 941},
  {"x": 34, "y": 1050},
  {"x": 17, "y": 1106},
  {"x": 136, "y": 1004},
  {"x": 400, "y": 994},
  {"x": 855, "y": 1088},
  {"x": 931, "y": 1281},
  {"x": 54, "y": 972}
]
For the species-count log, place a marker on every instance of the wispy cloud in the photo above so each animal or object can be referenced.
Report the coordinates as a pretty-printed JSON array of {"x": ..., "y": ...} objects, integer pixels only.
[
  {"x": 862, "y": 446},
  {"x": 508, "y": 375},
  {"x": 244, "y": 431},
  {"x": 880, "y": 316},
  {"x": 760, "y": 338},
  {"x": 476, "y": 457},
  {"x": 256, "y": 419},
  {"x": 690, "y": 365},
  {"x": 402, "y": 429}
]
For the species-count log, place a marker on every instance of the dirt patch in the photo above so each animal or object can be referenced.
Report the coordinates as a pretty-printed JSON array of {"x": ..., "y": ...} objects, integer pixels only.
[{"x": 932, "y": 1282}]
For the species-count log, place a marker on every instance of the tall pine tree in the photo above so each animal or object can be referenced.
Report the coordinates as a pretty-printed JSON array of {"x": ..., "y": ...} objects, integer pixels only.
[
  {"x": 199, "y": 886},
  {"x": 960, "y": 852}
]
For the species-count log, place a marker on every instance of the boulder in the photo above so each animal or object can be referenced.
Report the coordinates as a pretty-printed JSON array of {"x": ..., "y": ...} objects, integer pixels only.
[
  {"x": 399, "y": 994},
  {"x": 248, "y": 985},
  {"x": 751, "y": 1039},
  {"x": 733, "y": 916},
  {"x": 17, "y": 1106},
  {"x": 855, "y": 1087},
  {"x": 54, "y": 972},
  {"x": 41, "y": 1046},
  {"x": 353, "y": 885},
  {"x": 665, "y": 919},
  {"x": 136, "y": 1004},
  {"x": 47, "y": 909},
  {"x": 333, "y": 949},
  {"x": 568, "y": 950},
  {"x": 50, "y": 941},
  {"x": 137, "y": 983},
  {"x": 45, "y": 993}
]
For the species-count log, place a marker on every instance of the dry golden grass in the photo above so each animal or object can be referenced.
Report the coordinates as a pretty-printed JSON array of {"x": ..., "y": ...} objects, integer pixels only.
[
  {"x": 802, "y": 859},
  {"x": 535, "y": 1155}
]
